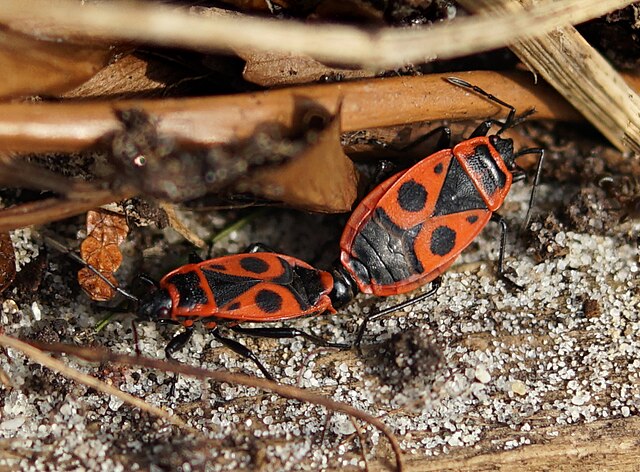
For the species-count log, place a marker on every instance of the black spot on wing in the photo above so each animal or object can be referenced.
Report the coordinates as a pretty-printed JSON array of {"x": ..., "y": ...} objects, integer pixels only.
[
  {"x": 234, "y": 306},
  {"x": 412, "y": 196},
  {"x": 458, "y": 192},
  {"x": 472, "y": 218},
  {"x": 254, "y": 264},
  {"x": 438, "y": 168},
  {"x": 268, "y": 301},
  {"x": 188, "y": 286},
  {"x": 443, "y": 240}
]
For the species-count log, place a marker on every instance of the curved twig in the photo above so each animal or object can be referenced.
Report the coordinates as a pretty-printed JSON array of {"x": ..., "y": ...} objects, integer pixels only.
[
  {"x": 104, "y": 355},
  {"x": 385, "y": 47}
]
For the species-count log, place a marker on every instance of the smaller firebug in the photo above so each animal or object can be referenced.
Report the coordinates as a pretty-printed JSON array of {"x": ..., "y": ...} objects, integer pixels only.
[{"x": 257, "y": 286}]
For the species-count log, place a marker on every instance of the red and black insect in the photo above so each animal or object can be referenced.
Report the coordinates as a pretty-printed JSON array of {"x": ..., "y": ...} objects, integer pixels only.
[
  {"x": 256, "y": 286},
  {"x": 403, "y": 235},
  {"x": 412, "y": 227}
]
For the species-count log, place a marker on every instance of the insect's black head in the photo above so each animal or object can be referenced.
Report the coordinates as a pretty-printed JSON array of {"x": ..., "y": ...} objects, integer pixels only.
[
  {"x": 156, "y": 306},
  {"x": 505, "y": 149}
]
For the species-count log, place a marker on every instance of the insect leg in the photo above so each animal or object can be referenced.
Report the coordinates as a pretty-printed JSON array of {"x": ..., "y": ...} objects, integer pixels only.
[
  {"x": 194, "y": 258},
  {"x": 280, "y": 333},
  {"x": 503, "y": 244},
  {"x": 176, "y": 343},
  {"x": 243, "y": 351},
  {"x": 435, "y": 285}
]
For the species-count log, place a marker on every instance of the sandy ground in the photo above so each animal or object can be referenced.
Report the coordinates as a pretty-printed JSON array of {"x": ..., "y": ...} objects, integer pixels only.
[{"x": 479, "y": 367}]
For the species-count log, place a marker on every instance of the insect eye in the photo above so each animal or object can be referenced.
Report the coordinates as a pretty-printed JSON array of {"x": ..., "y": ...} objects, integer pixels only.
[
  {"x": 163, "y": 312},
  {"x": 140, "y": 160}
]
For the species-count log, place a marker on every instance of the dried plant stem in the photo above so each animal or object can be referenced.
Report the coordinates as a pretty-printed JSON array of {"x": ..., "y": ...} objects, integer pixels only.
[
  {"x": 365, "y": 104},
  {"x": 177, "y": 223},
  {"x": 386, "y": 47},
  {"x": 579, "y": 73},
  {"x": 41, "y": 358},
  {"x": 54, "y": 209},
  {"x": 286, "y": 391}
]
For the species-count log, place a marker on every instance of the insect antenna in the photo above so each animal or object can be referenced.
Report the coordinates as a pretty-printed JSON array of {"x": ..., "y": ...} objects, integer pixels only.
[
  {"x": 536, "y": 178},
  {"x": 58, "y": 246},
  {"x": 511, "y": 121}
]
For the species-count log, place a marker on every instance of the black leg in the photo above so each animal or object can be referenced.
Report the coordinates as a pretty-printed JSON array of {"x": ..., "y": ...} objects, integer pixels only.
[
  {"x": 176, "y": 343},
  {"x": 280, "y": 333},
  {"x": 503, "y": 244},
  {"x": 136, "y": 339},
  {"x": 241, "y": 350},
  {"x": 194, "y": 258},
  {"x": 518, "y": 175},
  {"x": 435, "y": 285}
]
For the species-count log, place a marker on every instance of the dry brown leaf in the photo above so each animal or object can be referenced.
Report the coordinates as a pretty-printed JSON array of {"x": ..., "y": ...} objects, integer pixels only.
[
  {"x": 271, "y": 69},
  {"x": 136, "y": 75},
  {"x": 106, "y": 231},
  {"x": 7, "y": 262},
  {"x": 95, "y": 287},
  {"x": 320, "y": 178},
  {"x": 129, "y": 76},
  {"x": 111, "y": 225},
  {"x": 31, "y": 66}
]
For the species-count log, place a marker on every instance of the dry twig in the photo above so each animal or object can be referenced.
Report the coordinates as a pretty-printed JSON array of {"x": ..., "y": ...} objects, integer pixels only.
[
  {"x": 209, "y": 120},
  {"x": 387, "y": 47},
  {"x": 104, "y": 355},
  {"x": 41, "y": 358},
  {"x": 578, "y": 72}
]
